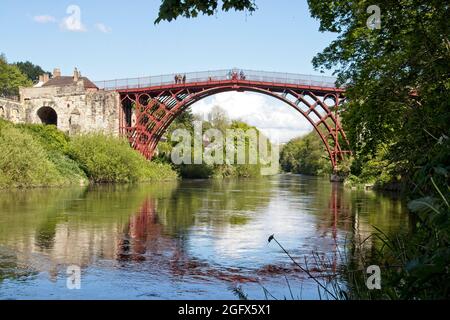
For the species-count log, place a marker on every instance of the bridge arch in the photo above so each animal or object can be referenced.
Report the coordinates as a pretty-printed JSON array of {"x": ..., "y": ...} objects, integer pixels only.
[
  {"x": 48, "y": 116},
  {"x": 154, "y": 111}
]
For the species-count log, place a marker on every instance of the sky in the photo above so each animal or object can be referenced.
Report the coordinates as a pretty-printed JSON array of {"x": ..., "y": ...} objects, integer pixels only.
[{"x": 108, "y": 39}]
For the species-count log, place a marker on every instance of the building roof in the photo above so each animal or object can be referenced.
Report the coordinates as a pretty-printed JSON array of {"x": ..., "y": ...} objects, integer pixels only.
[{"x": 63, "y": 81}]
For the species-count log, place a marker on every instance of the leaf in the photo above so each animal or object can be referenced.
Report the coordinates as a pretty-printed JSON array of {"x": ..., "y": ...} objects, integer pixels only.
[{"x": 422, "y": 205}]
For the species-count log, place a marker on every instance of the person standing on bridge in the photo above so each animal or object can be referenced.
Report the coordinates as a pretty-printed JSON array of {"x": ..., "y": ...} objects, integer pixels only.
[{"x": 184, "y": 79}]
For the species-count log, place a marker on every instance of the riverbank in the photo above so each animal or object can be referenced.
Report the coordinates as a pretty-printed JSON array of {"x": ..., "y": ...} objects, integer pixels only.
[
  {"x": 307, "y": 155},
  {"x": 42, "y": 156}
]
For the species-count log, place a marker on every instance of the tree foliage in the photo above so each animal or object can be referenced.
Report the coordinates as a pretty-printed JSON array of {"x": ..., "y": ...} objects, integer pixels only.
[
  {"x": 171, "y": 9},
  {"x": 11, "y": 78},
  {"x": 397, "y": 77},
  {"x": 31, "y": 70},
  {"x": 217, "y": 119},
  {"x": 397, "y": 118},
  {"x": 305, "y": 155}
]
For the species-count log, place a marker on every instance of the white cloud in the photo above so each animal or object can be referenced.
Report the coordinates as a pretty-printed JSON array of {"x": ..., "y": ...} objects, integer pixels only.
[
  {"x": 103, "y": 28},
  {"x": 73, "y": 21},
  {"x": 44, "y": 19},
  {"x": 274, "y": 118}
]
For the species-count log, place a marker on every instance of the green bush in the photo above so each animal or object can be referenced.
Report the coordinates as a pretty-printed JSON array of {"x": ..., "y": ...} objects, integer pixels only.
[
  {"x": 68, "y": 168},
  {"x": 24, "y": 162},
  {"x": 49, "y": 136},
  {"x": 42, "y": 156},
  {"x": 108, "y": 159},
  {"x": 38, "y": 156}
]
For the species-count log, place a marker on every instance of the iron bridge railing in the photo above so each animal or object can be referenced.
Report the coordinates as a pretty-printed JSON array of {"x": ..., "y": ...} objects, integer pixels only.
[{"x": 220, "y": 75}]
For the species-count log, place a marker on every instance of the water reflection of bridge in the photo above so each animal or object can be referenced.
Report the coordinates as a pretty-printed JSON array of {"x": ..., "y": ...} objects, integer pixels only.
[{"x": 145, "y": 238}]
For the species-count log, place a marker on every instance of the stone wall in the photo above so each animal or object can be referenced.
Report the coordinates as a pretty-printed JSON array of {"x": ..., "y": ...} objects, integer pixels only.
[
  {"x": 12, "y": 110},
  {"x": 78, "y": 110}
]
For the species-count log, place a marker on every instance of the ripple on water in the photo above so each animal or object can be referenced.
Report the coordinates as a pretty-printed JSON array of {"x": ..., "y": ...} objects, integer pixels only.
[{"x": 192, "y": 240}]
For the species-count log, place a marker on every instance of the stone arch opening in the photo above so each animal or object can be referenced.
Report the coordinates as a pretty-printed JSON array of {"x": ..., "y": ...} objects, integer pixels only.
[{"x": 48, "y": 116}]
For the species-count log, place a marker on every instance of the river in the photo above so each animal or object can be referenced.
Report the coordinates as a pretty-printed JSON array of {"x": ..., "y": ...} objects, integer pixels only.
[{"x": 184, "y": 240}]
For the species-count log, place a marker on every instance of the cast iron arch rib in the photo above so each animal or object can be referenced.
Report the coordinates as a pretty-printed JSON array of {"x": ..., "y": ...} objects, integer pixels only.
[{"x": 157, "y": 107}]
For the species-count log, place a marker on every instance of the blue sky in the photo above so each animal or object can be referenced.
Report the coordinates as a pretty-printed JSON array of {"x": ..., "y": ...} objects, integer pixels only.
[{"x": 117, "y": 39}]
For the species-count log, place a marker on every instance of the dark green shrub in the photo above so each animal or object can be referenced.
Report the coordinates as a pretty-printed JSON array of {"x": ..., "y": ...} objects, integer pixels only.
[
  {"x": 24, "y": 162},
  {"x": 196, "y": 171}
]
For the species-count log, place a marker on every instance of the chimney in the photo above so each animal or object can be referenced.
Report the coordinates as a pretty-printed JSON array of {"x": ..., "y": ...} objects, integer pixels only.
[
  {"x": 56, "y": 73},
  {"x": 76, "y": 75},
  {"x": 45, "y": 77}
]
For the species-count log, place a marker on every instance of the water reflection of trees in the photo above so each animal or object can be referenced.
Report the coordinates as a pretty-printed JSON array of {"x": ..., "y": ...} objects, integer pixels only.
[
  {"x": 151, "y": 224},
  {"x": 47, "y": 228},
  {"x": 340, "y": 208},
  {"x": 211, "y": 202},
  {"x": 81, "y": 225},
  {"x": 347, "y": 219}
]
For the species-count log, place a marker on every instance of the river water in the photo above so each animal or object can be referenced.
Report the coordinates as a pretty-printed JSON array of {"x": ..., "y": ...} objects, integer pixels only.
[{"x": 184, "y": 240}]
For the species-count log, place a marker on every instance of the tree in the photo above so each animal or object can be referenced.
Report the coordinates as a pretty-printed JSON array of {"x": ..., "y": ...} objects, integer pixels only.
[
  {"x": 31, "y": 70},
  {"x": 171, "y": 9},
  {"x": 11, "y": 78},
  {"x": 397, "y": 77},
  {"x": 218, "y": 117},
  {"x": 305, "y": 155},
  {"x": 397, "y": 82}
]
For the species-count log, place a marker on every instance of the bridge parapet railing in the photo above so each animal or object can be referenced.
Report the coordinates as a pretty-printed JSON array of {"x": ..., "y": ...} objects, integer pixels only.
[{"x": 219, "y": 75}]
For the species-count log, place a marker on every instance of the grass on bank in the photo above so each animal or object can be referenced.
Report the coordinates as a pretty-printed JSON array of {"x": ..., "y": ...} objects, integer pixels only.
[{"x": 43, "y": 156}]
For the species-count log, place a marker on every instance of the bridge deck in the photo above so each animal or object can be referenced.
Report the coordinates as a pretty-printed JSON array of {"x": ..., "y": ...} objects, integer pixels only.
[{"x": 221, "y": 77}]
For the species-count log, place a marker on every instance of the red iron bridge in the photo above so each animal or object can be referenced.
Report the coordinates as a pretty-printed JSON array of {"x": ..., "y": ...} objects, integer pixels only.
[{"x": 150, "y": 104}]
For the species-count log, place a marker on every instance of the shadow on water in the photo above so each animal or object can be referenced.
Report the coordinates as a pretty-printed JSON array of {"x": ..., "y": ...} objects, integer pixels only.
[{"x": 189, "y": 239}]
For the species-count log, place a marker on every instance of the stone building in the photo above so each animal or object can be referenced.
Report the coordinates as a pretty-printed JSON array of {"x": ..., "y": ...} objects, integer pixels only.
[{"x": 73, "y": 103}]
